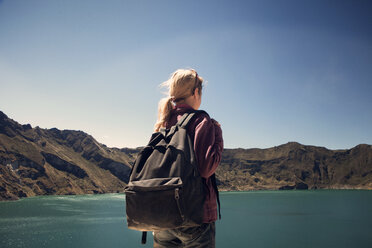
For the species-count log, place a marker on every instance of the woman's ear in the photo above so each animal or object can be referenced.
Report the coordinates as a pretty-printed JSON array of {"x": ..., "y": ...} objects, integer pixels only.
[
  {"x": 196, "y": 91},
  {"x": 199, "y": 92}
]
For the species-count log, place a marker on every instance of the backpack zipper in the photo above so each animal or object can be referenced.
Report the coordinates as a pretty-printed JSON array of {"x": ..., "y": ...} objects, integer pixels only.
[{"x": 177, "y": 197}]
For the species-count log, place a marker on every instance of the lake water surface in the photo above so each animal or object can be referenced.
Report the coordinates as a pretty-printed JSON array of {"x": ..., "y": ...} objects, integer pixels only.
[{"x": 322, "y": 218}]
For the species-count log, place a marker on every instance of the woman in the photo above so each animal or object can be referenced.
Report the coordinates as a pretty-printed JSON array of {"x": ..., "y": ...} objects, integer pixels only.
[{"x": 185, "y": 93}]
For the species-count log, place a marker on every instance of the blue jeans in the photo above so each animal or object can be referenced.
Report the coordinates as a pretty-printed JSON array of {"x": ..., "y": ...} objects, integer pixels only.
[{"x": 199, "y": 236}]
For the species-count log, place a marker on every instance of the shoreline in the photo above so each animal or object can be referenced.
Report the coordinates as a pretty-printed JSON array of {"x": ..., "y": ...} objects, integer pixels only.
[{"x": 220, "y": 190}]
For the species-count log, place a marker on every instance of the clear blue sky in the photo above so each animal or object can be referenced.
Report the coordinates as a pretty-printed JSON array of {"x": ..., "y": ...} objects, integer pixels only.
[{"x": 277, "y": 71}]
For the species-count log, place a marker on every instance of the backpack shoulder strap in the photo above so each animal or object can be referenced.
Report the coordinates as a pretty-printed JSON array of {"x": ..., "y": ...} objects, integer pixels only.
[
  {"x": 144, "y": 238},
  {"x": 183, "y": 122},
  {"x": 214, "y": 184},
  {"x": 187, "y": 117}
]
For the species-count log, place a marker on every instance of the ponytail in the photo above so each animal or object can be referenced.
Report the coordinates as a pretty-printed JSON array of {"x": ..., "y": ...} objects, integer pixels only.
[{"x": 164, "y": 111}]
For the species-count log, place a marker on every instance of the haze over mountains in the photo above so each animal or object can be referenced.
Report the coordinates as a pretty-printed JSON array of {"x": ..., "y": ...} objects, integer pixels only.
[{"x": 37, "y": 161}]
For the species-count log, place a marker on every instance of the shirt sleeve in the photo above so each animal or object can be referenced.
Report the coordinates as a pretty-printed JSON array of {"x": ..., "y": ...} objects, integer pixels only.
[{"x": 208, "y": 145}]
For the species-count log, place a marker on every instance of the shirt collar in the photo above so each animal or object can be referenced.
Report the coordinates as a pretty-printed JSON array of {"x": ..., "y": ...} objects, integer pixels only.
[{"x": 182, "y": 106}]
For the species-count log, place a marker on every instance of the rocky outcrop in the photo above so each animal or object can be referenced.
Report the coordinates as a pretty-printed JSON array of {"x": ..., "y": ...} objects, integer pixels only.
[
  {"x": 118, "y": 169},
  {"x": 63, "y": 165}
]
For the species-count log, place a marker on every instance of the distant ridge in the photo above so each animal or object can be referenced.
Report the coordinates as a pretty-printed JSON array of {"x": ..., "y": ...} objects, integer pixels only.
[
  {"x": 296, "y": 166},
  {"x": 37, "y": 161}
]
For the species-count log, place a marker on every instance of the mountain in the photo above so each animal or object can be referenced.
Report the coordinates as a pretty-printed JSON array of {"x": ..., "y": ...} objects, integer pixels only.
[
  {"x": 296, "y": 166},
  {"x": 37, "y": 161}
]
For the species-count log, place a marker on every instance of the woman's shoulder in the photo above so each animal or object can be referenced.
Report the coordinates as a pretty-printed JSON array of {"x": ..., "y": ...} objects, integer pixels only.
[
  {"x": 202, "y": 113},
  {"x": 201, "y": 116}
]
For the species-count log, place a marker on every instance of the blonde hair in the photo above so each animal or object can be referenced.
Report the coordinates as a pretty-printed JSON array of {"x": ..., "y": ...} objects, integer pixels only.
[{"x": 181, "y": 84}]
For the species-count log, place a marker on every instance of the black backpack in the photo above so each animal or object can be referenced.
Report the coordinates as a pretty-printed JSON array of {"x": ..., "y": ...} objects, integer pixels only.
[{"x": 165, "y": 189}]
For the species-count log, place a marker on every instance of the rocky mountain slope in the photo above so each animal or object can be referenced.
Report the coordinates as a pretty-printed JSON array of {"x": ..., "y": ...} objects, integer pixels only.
[
  {"x": 296, "y": 166},
  {"x": 37, "y": 161}
]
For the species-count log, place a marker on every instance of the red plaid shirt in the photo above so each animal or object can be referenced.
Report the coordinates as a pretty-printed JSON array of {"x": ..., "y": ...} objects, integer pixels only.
[{"x": 208, "y": 146}]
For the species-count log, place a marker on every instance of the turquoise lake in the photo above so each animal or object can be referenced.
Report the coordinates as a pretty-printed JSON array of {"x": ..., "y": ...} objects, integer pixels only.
[{"x": 320, "y": 218}]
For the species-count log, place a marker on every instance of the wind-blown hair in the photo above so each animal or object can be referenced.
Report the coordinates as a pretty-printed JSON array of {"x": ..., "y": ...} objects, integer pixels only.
[{"x": 181, "y": 84}]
